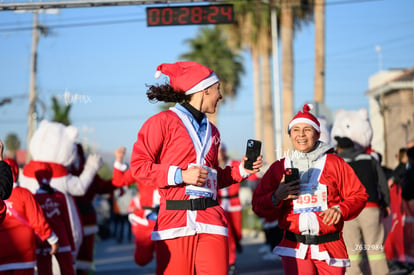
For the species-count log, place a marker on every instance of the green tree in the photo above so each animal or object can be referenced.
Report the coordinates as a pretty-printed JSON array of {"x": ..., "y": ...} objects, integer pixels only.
[
  {"x": 293, "y": 15},
  {"x": 252, "y": 31},
  {"x": 12, "y": 143},
  {"x": 60, "y": 112},
  {"x": 210, "y": 48}
]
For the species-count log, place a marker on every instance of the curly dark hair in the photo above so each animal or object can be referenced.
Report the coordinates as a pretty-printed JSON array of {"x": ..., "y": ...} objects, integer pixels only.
[{"x": 166, "y": 93}]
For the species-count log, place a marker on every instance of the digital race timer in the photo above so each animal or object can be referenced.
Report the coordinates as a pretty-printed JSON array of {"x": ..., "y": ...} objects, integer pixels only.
[{"x": 189, "y": 15}]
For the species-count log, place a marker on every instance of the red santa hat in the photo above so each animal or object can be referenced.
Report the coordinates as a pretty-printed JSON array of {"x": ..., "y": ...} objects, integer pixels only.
[
  {"x": 305, "y": 117},
  {"x": 188, "y": 77}
]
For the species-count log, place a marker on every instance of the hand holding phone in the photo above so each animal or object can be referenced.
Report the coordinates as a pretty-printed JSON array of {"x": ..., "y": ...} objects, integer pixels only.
[{"x": 253, "y": 150}]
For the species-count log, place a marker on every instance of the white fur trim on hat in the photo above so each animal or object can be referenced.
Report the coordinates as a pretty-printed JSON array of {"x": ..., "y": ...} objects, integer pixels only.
[
  {"x": 203, "y": 84},
  {"x": 304, "y": 120}
]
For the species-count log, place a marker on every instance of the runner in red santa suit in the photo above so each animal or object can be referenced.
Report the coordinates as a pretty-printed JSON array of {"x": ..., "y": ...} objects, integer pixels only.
[
  {"x": 53, "y": 204},
  {"x": 55, "y": 144},
  {"x": 85, "y": 259},
  {"x": 229, "y": 200},
  {"x": 24, "y": 222},
  {"x": 143, "y": 207},
  {"x": 399, "y": 248},
  {"x": 176, "y": 150},
  {"x": 311, "y": 210}
]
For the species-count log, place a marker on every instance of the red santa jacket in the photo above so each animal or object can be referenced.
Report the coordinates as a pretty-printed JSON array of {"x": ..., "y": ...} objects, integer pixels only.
[
  {"x": 342, "y": 189},
  {"x": 57, "y": 215},
  {"x": 146, "y": 204},
  {"x": 24, "y": 220},
  {"x": 228, "y": 197},
  {"x": 398, "y": 245},
  {"x": 166, "y": 142},
  {"x": 85, "y": 206}
]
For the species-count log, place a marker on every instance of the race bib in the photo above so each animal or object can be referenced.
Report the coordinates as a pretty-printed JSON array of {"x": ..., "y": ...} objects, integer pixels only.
[
  {"x": 209, "y": 190},
  {"x": 312, "y": 198}
]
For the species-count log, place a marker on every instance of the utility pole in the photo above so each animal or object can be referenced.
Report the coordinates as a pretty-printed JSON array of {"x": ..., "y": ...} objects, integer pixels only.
[
  {"x": 32, "y": 115},
  {"x": 276, "y": 85},
  {"x": 319, "y": 12}
]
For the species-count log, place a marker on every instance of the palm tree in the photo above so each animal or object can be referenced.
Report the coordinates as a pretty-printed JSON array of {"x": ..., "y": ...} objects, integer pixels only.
[
  {"x": 60, "y": 112},
  {"x": 293, "y": 15},
  {"x": 319, "y": 90},
  {"x": 209, "y": 48},
  {"x": 252, "y": 31},
  {"x": 12, "y": 143}
]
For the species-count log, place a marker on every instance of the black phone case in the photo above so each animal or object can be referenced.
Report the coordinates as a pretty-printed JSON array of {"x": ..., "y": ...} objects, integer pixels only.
[
  {"x": 253, "y": 149},
  {"x": 291, "y": 174}
]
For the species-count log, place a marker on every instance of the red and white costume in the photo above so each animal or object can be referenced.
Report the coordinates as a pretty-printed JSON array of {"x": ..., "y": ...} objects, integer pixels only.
[
  {"x": 159, "y": 170},
  {"x": 85, "y": 259},
  {"x": 143, "y": 210},
  {"x": 331, "y": 184},
  {"x": 56, "y": 213},
  {"x": 64, "y": 182},
  {"x": 398, "y": 244},
  {"x": 23, "y": 222},
  {"x": 168, "y": 141},
  {"x": 54, "y": 144},
  {"x": 229, "y": 200}
]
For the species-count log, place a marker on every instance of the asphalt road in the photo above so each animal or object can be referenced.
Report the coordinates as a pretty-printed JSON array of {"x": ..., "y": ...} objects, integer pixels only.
[{"x": 114, "y": 258}]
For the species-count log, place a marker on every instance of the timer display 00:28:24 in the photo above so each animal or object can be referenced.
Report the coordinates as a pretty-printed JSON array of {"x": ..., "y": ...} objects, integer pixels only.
[{"x": 189, "y": 15}]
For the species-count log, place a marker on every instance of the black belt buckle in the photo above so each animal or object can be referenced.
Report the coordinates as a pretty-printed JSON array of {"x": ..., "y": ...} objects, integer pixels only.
[
  {"x": 198, "y": 204},
  {"x": 310, "y": 239}
]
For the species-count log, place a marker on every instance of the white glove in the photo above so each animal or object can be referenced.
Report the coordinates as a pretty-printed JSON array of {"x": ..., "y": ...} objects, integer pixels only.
[{"x": 94, "y": 162}]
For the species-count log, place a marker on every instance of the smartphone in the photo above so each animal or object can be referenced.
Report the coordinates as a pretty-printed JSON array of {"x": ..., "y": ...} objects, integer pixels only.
[
  {"x": 253, "y": 150},
  {"x": 291, "y": 174}
]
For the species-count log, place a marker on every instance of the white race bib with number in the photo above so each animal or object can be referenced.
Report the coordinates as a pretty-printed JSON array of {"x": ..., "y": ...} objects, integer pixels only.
[
  {"x": 311, "y": 199},
  {"x": 209, "y": 190}
]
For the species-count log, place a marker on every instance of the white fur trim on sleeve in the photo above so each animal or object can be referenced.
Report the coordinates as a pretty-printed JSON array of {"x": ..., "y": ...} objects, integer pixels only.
[
  {"x": 53, "y": 238},
  {"x": 171, "y": 175},
  {"x": 243, "y": 172},
  {"x": 120, "y": 166}
]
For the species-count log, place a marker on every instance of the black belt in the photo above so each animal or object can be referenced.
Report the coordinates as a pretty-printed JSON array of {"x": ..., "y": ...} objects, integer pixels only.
[
  {"x": 193, "y": 204},
  {"x": 228, "y": 197},
  {"x": 153, "y": 209},
  {"x": 311, "y": 239}
]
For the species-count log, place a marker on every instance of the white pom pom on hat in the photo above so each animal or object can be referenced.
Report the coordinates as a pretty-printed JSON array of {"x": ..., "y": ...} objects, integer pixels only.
[
  {"x": 157, "y": 74},
  {"x": 305, "y": 117},
  {"x": 188, "y": 77}
]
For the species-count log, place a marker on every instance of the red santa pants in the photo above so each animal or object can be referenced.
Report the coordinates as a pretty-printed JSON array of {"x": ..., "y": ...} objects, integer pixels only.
[
  {"x": 84, "y": 260},
  {"x": 234, "y": 221},
  {"x": 144, "y": 246},
  {"x": 308, "y": 266},
  {"x": 201, "y": 253},
  {"x": 44, "y": 264}
]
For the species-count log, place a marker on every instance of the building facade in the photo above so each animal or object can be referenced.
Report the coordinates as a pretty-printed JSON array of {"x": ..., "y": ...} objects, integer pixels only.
[{"x": 391, "y": 102}]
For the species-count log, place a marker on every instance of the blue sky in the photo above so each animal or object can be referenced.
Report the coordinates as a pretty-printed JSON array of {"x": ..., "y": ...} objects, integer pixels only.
[{"x": 106, "y": 66}]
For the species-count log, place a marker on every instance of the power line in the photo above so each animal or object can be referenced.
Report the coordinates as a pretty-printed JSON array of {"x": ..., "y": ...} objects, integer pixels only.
[{"x": 76, "y": 25}]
